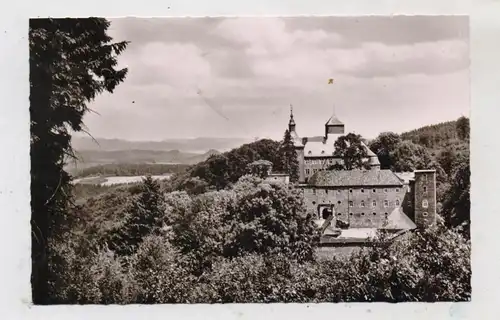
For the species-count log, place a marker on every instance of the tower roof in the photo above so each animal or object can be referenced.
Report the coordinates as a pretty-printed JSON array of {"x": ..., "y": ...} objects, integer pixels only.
[{"x": 334, "y": 121}]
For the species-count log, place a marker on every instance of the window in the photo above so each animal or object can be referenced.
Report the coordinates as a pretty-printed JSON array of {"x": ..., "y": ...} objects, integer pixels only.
[
  {"x": 362, "y": 213},
  {"x": 374, "y": 203},
  {"x": 338, "y": 191},
  {"x": 374, "y": 213},
  {"x": 326, "y": 191},
  {"x": 397, "y": 202},
  {"x": 397, "y": 189},
  {"x": 314, "y": 202},
  {"x": 425, "y": 189},
  {"x": 424, "y": 178},
  {"x": 339, "y": 214},
  {"x": 386, "y": 214},
  {"x": 350, "y": 190},
  {"x": 309, "y": 152},
  {"x": 314, "y": 191},
  {"x": 339, "y": 202},
  {"x": 351, "y": 204},
  {"x": 425, "y": 203},
  {"x": 386, "y": 203},
  {"x": 307, "y": 171},
  {"x": 362, "y": 204},
  {"x": 362, "y": 190},
  {"x": 374, "y": 190},
  {"x": 322, "y": 151},
  {"x": 425, "y": 214},
  {"x": 385, "y": 190},
  {"x": 351, "y": 214}
]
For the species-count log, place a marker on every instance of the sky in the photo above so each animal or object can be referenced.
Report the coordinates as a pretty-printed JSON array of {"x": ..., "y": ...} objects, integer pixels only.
[{"x": 237, "y": 77}]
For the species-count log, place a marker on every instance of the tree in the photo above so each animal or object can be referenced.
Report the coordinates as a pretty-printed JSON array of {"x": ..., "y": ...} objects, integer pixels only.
[
  {"x": 408, "y": 156},
  {"x": 269, "y": 219},
  {"x": 351, "y": 150},
  {"x": 463, "y": 128},
  {"x": 145, "y": 218},
  {"x": 71, "y": 61},
  {"x": 456, "y": 207},
  {"x": 260, "y": 168},
  {"x": 383, "y": 146},
  {"x": 290, "y": 161}
]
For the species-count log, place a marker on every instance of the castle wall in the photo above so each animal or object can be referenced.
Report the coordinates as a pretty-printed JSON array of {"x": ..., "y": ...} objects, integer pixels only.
[
  {"x": 425, "y": 198},
  {"x": 300, "y": 158},
  {"x": 313, "y": 165},
  {"x": 371, "y": 215}
]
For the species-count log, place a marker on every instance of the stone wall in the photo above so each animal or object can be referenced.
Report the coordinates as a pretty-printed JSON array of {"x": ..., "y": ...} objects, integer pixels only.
[
  {"x": 425, "y": 198},
  {"x": 365, "y": 207},
  {"x": 300, "y": 158}
]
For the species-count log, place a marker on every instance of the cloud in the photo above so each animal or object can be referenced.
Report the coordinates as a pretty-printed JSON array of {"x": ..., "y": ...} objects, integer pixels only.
[
  {"x": 269, "y": 36},
  {"x": 237, "y": 77}
]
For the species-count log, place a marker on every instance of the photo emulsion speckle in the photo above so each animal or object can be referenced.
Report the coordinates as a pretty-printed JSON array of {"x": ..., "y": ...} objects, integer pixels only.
[{"x": 250, "y": 160}]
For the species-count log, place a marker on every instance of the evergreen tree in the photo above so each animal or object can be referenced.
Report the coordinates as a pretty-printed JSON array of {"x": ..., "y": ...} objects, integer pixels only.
[
  {"x": 71, "y": 61},
  {"x": 463, "y": 128},
  {"x": 290, "y": 161},
  {"x": 145, "y": 218}
]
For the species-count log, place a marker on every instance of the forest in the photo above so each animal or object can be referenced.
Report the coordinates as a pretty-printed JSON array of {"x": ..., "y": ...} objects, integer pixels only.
[{"x": 216, "y": 233}]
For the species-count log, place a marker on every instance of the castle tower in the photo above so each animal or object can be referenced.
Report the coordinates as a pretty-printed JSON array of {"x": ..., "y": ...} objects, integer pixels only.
[
  {"x": 334, "y": 126},
  {"x": 425, "y": 198},
  {"x": 299, "y": 146}
]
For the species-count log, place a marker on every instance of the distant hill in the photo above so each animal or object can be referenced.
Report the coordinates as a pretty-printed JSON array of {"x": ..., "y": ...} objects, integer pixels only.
[
  {"x": 198, "y": 145},
  {"x": 92, "y": 158}
]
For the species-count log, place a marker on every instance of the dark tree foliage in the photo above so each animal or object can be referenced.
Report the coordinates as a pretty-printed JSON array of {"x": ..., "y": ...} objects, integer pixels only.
[
  {"x": 456, "y": 207},
  {"x": 349, "y": 148},
  {"x": 216, "y": 170},
  {"x": 71, "y": 61},
  {"x": 290, "y": 161},
  {"x": 433, "y": 136},
  {"x": 463, "y": 128},
  {"x": 409, "y": 156},
  {"x": 383, "y": 146},
  {"x": 220, "y": 171},
  {"x": 144, "y": 218}
]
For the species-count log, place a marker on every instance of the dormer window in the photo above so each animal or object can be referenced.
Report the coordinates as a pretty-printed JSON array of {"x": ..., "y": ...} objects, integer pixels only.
[
  {"x": 322, "y": 151},
  {"x": 310, "y": 152}
]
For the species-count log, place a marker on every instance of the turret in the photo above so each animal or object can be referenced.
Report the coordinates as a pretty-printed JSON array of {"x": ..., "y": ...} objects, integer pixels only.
[{"x": 334, "y": 126}]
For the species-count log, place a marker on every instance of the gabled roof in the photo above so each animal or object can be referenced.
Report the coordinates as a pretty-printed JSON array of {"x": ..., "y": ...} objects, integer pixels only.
[
  {"x": 342, "y": 178},
  {"x": 399, "y": 220}
]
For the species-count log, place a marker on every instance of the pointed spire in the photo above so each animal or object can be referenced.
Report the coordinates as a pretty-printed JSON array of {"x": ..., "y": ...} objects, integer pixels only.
[
  {"x": 291, "y": 123},
  {"x": 333, "y": 119}
]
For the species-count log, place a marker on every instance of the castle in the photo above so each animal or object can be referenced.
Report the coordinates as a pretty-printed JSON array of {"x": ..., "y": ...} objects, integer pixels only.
[{"x": 352, "y": 205}]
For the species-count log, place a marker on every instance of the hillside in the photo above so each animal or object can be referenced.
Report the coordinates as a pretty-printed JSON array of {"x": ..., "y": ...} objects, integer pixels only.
[
  {"x": 197, "y": 145},
  {"x": 435, "y": 137}
]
